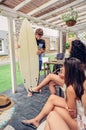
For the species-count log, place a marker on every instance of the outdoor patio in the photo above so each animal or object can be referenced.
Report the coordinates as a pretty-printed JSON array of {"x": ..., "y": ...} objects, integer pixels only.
[
  {"x": 45, "y": 14},
  {"x": 26, "y": 107}
]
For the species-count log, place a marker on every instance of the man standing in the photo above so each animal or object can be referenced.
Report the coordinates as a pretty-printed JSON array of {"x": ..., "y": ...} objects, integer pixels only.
[{"x": 40, "y": 44}]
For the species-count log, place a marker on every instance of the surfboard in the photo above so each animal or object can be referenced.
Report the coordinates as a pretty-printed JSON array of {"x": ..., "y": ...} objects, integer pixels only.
[{"x": 28, "y": 58}]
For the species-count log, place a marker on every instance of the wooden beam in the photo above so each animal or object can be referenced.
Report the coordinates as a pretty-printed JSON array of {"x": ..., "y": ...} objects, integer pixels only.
[
  {"x": 12, "y": 54},
  {"x": 82, "y": 16},
  {"x": 10, "y": 12},
  {"x": 22, "y": 4},
  {"x": 49, "y": 3},
  {"x": 62, "y": 8},
  {"x": 79, "y": 10}
]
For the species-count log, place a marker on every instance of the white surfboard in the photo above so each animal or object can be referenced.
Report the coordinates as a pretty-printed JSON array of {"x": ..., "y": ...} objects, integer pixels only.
[{"x": 28, "y": 58}]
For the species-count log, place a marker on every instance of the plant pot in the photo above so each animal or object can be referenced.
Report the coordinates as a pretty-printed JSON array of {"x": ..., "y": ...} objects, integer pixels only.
[{"x": 71, "y": 23}]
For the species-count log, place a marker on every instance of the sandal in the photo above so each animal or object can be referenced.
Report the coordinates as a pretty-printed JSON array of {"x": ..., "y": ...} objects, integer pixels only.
[
  {"x": 33, "y": 92},
  {"x": 29, "y": 124}
]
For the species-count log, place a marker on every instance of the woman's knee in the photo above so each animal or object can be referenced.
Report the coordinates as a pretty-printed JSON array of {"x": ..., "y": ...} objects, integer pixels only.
[
  {"x": 50, "y": 76},
  {"x": 52, "y": 98}
]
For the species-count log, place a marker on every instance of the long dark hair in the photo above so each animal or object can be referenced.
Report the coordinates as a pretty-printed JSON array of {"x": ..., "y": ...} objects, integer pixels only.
[
  {"x": 74, "y": 75},
  {"x": 78, "y": 50}
]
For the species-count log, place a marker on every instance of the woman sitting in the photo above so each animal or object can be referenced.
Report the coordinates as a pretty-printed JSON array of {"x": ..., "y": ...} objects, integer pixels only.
[
  {"x": 65, "y": 108},
  {"x": 78, "y": 50}
]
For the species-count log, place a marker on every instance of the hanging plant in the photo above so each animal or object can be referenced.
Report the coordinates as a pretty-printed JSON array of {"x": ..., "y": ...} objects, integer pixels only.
[
  {"x": 70, "y": 23},
  {"x": 70, "y": 18}
]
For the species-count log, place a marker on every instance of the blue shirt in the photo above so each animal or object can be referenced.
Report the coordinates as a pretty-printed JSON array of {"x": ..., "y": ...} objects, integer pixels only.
[{"x": 41, "y": 44}]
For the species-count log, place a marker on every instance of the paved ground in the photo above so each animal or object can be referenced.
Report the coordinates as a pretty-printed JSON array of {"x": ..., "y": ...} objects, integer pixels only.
[{"x": 27, "y": 107}]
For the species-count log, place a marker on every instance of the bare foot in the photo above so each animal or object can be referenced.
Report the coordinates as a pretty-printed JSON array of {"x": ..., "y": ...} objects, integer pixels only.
[{"x": 32, "y": 121}]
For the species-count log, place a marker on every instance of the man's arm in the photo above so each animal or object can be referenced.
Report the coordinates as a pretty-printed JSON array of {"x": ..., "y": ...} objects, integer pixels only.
[{"x": 40, "y": 51}]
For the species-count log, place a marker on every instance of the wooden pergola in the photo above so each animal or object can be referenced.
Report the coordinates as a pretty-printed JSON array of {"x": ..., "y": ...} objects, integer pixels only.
[{"x": 46, "y": 13}]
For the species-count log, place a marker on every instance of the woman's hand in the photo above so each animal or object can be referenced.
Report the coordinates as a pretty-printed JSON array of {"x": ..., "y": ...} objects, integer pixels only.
[{"x": 72, "y": 112}]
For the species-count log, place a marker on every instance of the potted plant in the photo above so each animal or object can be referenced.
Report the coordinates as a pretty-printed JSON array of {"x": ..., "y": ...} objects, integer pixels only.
[
  {"x": 67, "y": 45},
  {"x": 70, "y": 18}
]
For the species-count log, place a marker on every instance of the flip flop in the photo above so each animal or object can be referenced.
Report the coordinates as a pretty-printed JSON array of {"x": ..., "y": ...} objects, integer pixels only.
[
  {"x": 33, "y": 92},
  {"x": 29, "y": 125}
]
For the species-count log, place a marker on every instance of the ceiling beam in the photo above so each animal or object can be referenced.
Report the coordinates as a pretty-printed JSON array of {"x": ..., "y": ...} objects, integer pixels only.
[
  {"x": 79, "y": 18},
  {"x": 49, "y": 3},
  {"x": 75, "y": 26},
  {"x": 79, "y": 25},
  {"x": 15, "y": 14},
  {"x": 79, "y": 29},
  {"x": 62, "y": 8},
  {"x": 19, "y": 6},
  {"x": 79, "y": 9}
]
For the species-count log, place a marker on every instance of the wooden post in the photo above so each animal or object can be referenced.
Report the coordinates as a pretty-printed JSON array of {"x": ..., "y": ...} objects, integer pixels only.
[{"x": 12, "y": 54}]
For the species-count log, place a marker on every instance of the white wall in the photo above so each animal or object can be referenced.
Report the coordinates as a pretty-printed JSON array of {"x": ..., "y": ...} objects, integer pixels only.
[{"x": 3, "y": 23}]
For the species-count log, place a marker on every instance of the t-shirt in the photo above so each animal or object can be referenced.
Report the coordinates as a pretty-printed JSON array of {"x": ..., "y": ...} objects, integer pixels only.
[{"x": 41, "y": 44}]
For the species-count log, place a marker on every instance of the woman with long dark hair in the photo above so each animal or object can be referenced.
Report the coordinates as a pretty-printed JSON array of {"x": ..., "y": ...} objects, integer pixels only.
[
  {"x": 78, "y": 50},
  {"x": 65, "y": 108}
]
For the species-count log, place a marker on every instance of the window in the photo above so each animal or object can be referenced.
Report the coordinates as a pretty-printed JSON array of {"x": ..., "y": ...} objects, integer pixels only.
[
  {"x": 0, "y": 44},
  {"x": 52, "y": 43}
]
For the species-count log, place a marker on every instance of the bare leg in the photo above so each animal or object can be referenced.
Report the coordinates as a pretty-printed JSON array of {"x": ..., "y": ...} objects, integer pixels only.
[
  {"x": 52, "y": 87},
  {"x": 72, "y": 123},
  {"x": 59, "y": 125},
  {"x": 47, "y": 126},
  {"x": 51, "y": 77},
  {"x": 49, "y": 106}
]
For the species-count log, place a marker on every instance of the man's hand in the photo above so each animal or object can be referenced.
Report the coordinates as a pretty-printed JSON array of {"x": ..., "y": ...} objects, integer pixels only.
[{"x": 40, "y": 51}]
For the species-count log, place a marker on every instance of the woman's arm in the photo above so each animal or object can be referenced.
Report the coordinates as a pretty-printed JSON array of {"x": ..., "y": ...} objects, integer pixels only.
[{"x": 71, "y": 101}]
